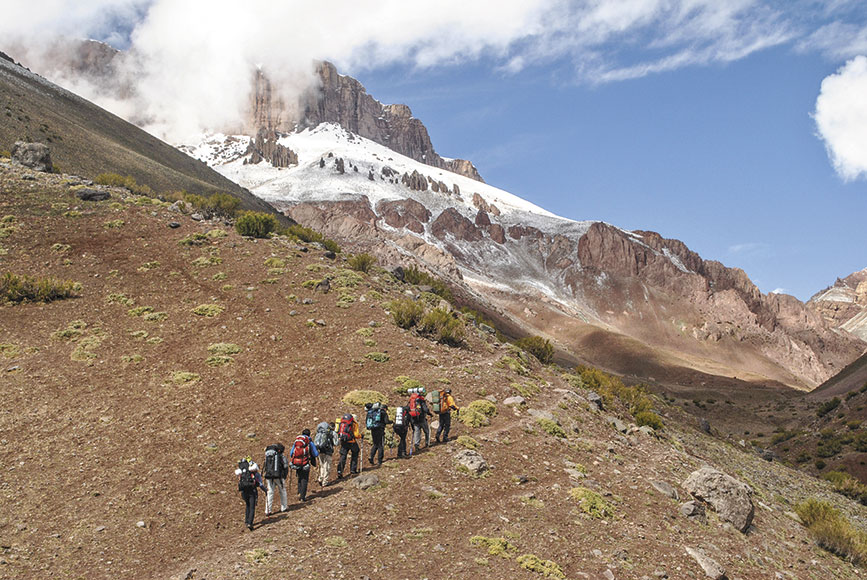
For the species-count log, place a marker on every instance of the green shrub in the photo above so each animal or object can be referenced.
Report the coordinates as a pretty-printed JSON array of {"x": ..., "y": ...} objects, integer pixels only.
[
  {"x": 829, "y": 448},
  {"x": 194, "y": 239},
  {"x": 514, "y": 365},
  {"x": 379, "y": 357},
  {"x": 114, "y": 224},
  {"x": 208, "y": 310},
  {"x": 420, "y": 278},
  {"x": 443, "y": 327},
  {"x": 495, "y": 546},
  {"x": 828, "y": 406},
  {"x": 218, "y": 360},
  {"x": 650, "y": 419},
  {"x": 547, "y": 568},
  {"x": 128, "y": 182},
  {"x": 361, "y": 262},
  {"x": 406, "y": 312},
  {"x": 847, "y": 485},
  {"x": 468, "y": 442},
  {"x": 309, "y": 235},
  {"x": 17, "y": 289},
  {"x": 406, "y": 384},
  {"x": 537, "y": 346},
  {"x": 224, "y": 348},
  {"x": 592, "y": 503},
  {"x": 482, "y": 406},
  {"x": 551, "y": 427},
  {"x": 184, "y": 377},
  {"x": 361, "y": 397},
  {"x": 832, "y": 531},
  {"x": 256, "y": 224}
]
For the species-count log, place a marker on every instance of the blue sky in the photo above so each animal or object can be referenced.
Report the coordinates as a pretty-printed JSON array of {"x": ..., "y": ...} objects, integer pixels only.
[{"x": 736, "y": 126}]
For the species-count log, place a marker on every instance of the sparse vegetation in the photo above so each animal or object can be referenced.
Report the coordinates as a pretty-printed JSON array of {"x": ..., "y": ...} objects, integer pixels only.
[
  {"x": 468, "y": 442},
  {"x": 495, "y": 546},
  {"x": 406, "y": 313},
  {"x": 208, "y": 310},
  {"x": 224, "y": 348},
  {"x": 379, "y": 357},
  {"x": 547, "y": 568},
  {"x": 16, "y": 289},
  {"x": 440, "y": 325},
  {"x": 114, "y": 224},
  {"x": 420, "y": 278},
  {"x": 194, "y": 239},
  {"x": 309, "y": 235},
  {"x": 184, "y": 377},
  {"x": 361, "y": 397},
  {"x": 592, "y": 503},
  {"x": 832, "y": 530},
  {"x": 361, "y": 262},
  {"x": 551, "y": 427},
  {"x": 537, "y": 346},
  {"x": 828, "y": 406},
  {"x": 128, "y": 182},
  {"x": 649, "y": 419},
  {"x": 478, "y": 413}
]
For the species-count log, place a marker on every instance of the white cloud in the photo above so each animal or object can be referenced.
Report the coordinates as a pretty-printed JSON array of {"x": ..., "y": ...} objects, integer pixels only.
[
  {"x": 780, "y": 291},
  {"x": 191, "y": 61},
  {"x": 751, "y": 250},
  {"x": 841, "y": 118}
]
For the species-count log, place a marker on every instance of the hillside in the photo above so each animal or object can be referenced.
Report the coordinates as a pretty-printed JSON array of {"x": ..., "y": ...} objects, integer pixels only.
[
  {"x": 120, "y": 425},
  {"x": 87, "y": 140}
]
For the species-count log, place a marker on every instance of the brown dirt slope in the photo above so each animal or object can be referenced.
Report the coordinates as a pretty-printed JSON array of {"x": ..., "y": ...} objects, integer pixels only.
[
  {"x": 88, "y": 140},
  {"x": 100, "y": 429}
]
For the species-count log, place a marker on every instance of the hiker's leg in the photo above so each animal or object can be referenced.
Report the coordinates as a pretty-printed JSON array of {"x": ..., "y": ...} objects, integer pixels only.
[
  {"x": 416, "y": 434},
  {"x": 353, "y": 461},
  {"x": 284, "y": 503},
  {"x": 445, "y": 425},
  {"x": 303, "y": 477},
  {"x": 381, "y": 445},
  {"x": 269, "y": 499},
  {"x": 344, "y": 449},
  {"x": 426, "y": 427},
  {"x": 440, "y": 426},
  {"x": 250, "y": 498},
  {"x": 401, "y": 444}
]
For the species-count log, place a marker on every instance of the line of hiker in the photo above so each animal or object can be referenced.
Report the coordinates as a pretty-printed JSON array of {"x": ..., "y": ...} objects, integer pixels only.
[{"x": 347, "y": 436}]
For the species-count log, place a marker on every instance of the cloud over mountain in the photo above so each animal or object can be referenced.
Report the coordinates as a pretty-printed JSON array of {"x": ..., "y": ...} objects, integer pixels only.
[{"x": 841, "y": 118}]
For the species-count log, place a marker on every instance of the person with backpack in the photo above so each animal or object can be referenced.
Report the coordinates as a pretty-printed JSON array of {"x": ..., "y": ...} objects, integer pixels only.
[
  {"x": 447, "y": 404},
  {"x": 349, "y": 435},
  {"x": 276, "y": 470},
  {"x": 418, "y": 414},
  {"x": 377, "y": 419},
  {"x": 303, "y": 455},
  {"x": 249, "y": 483},
  {"x": 325, "y": 440},
  {"x": 401, "y": 427}
]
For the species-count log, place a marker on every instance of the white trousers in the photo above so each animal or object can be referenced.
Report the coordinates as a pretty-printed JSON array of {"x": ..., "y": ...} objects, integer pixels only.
[{"x": 273, "y": 485}]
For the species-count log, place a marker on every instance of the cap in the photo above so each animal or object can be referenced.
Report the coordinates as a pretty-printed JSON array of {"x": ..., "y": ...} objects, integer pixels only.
[{"x": 306, "y": 432}]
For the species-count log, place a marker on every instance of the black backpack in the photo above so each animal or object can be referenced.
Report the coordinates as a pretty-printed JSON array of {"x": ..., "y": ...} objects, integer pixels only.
[
  {"x": 246, "y": 481},
  {"x": 374, "y": 418},
  {"x": 273, "y": 462}
]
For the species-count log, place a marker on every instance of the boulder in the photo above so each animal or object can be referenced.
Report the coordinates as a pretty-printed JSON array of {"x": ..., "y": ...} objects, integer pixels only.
[
  {"x": 730, "y": 498},
  {"x": 517, "y": 400},
  {"x": 90, "y": 194},
  {"x": 710, "y": 566},
  {"x": 541, "y": 414},
  {"x": 665, "y": 489},
  {"x": 472, "y": 460},
  {"x": 36, "y": 156},
  {"x": 594, "y": 399},
  {"x": 365, "y": 481},
  {"x": 618, "y": 424}
]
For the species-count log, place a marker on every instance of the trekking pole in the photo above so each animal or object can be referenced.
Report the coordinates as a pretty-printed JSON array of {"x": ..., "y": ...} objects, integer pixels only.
[{"x": 361, "y": 456}]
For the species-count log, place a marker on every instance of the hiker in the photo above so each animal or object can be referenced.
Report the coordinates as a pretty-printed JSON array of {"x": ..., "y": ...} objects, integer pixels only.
[
  {"x": 447, "y": 403},
  {"x": 325, "y": 440},
  {"x": 377, "y": 419},
  {"x": 276, "y": 469},
  {"x": 349, "y": 435},
  {"x": 249, "y": 483},
  {"x": 401, "y": 427},
  {"x": 303, "y": 454},
  {"x": 418, "y": 414}
]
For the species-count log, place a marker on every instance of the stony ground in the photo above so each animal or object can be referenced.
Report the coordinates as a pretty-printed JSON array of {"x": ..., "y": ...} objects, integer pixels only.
[{"x": 119, "y": 435}]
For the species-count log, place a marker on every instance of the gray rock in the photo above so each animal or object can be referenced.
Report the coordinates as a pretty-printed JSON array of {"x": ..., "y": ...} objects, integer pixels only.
[
  {"x": 574, "y": 473},
  {"x": 491, "y": 398},
  {"x": 307, "y": 301},
  {"x": 710, "y": 566},
  {"x": 472, "y": 460},
  {"x": 174, "y": 225},
  {"x": 730, "y": 498},
  {"x": 90, "y": 194},
  {"x": 618, "y": 424},
  {"x": 293, "y": 313},
  {"x": 704, "y": 425},
  {"x": 594, "y": 399},
  {"x": 665, "y": 489},
  {"x": 608, "y": 574},
  {"x": 693, "y": 510},
  {"x": 540, "y": 414},
  {"x": 514, "y": 401},
  {"x": 197, "y": 217},
  {"x": 365, "y": 481},
  {"x": 647, "y": 431},
  {"x": 330, "y": 255},
  {"x": 36, "y": 156},
  {"x": 140, "y": 524},
  {"x": 489, "y": 329}
]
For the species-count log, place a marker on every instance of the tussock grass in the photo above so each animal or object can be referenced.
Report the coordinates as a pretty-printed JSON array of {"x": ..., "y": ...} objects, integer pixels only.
[
  {"x": 551, "y": 427},
  {"x": 546, "y": 568},
  {"x": 495, "y": 546},
  {"x": 592, "y": 503},
  {"x": 16, "y": 289},
  {"x": 406, "y": 313},
  {"x": 361, "y": 397},
  {"x": 208, "y": 310},
  {"x": 832, "y": 531}
]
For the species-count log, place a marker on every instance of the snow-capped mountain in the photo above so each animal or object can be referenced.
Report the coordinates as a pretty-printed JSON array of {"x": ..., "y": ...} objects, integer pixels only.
[{"x": 656, "y": 304}]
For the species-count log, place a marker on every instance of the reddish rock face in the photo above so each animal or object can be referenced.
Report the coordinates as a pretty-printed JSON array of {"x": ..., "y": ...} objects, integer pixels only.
[
  {"x": 482, "y": 219},
  {"x": 404, "y": 213},
  {"x": 498, "y": 233},
  {"x": 518, "y": 232},
  {"x": 450, "y": 221}
]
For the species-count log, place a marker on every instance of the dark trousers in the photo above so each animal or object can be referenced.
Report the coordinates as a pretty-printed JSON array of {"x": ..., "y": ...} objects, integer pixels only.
[
  {"x": 250, "y": 496},
  {"x": 346, "y": 448},
  {"x": 401, "y": 443},
  {"x": 303, "y": 476},
  {"x": 378, "y": 435},
  {"x": 445, "y": 426}
]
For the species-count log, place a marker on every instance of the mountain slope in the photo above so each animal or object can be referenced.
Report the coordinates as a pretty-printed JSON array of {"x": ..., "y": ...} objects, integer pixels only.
[
  {"x": 121, "y": 426},
  {"x": 87, "y": 140},
  {"x": 557, "y": 277},
  {"x": 844, "y": 304}
]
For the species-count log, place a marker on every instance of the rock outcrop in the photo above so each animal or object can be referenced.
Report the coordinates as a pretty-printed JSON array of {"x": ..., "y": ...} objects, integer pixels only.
[
  {"x": 729, "y": 498},
  {"x": 404, "y": 213},
  {"x": 36, "y": 156},
  {"x": 265, "y": 147},
  {"x": 844, "y": 304}
]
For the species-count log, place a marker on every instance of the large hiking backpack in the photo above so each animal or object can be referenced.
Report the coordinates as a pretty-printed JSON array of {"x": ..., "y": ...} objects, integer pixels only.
[
  {"x": 273, "y": 462},
  {"x": 246, "y": 481},
  {"x": 400, "y": 418},
  {"x": 301, "y": 452},
  {"x": 437, "y": 399},
  {"x": 323, "y": 439},
  {"x": 415, "y": 406},
  {"x": 344, "y": 432},
  {"x": 374, "y": 417}
]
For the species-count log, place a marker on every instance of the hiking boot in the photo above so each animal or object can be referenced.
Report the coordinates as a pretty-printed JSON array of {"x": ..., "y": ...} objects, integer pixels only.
[
  {"x": 437, "y": 439},
  {"x": 250, "y": 527},
  {"x": 353, "y": 473}
]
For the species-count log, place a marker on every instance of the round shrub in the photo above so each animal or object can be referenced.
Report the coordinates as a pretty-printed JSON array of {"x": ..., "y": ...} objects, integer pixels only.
[
  {"x": 650, "y": 419},
  {"x": 256, "y": 224},
  {"x": 441, "y": 325},
  {"x": 406, "y": 312},
  {"x": 537, "y": 346},
  {"x": 361, "y": 397}
]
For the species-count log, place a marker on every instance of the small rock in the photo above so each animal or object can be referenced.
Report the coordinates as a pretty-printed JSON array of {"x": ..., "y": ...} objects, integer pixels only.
[
  {"x": 90, "y": 194},
  {"x": 704, "y": 425},
  {"x": 595, "y": 399},
  {"x": 330, "y": 255},
  {"x": 597, "y": 553},
  {"x": 491, "y": 398},
  {"x": 514, "y": 401},
  {"x": 472, "y": 460},
  {"x": 489, "y": 329},
  {"x": 307, "y": 301},
  {"x": 251, "y": 435},
  {"x": 618, "y": 424},
  {"x": 293, "y": 313},
  {"x": 174, "y": 225},
  {"x": 609, "y": 575},
  {"x": 365, "y": 481},
  {"x": 693, "y": 510},
  {"x": 540, "y": 414},
  {"x": 710, "y": 566},
  {"x": 665, "y": 489},
  {"x": 99, "y": 529},
  {"x": 197, "y": 217},
  {"x": 140, "y": 524}
]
